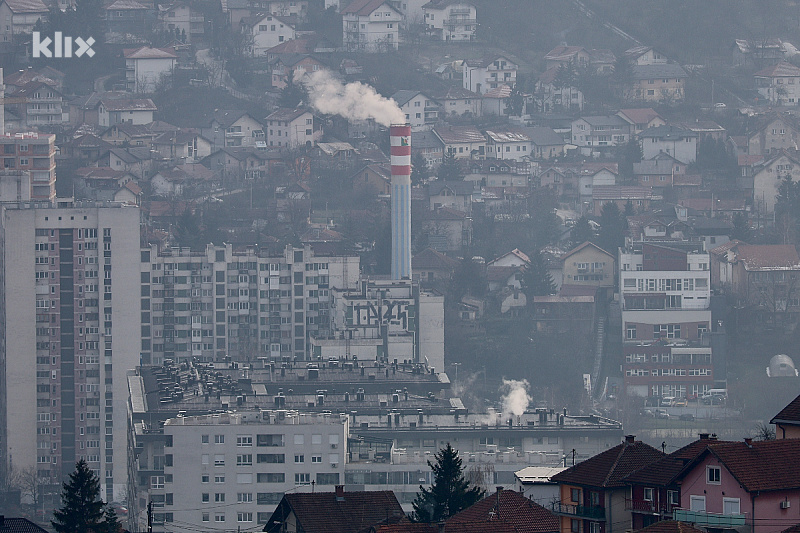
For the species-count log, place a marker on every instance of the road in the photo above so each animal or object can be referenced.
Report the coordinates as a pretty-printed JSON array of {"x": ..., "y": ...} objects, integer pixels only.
[{"x": 614, "y": 29}]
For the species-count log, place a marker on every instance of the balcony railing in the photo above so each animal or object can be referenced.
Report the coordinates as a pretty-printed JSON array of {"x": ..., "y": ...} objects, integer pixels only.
[
  {"x": 642, "y": 506},
  {"x": 702, "y": 518},
  {"x": 582, "y": 511}
]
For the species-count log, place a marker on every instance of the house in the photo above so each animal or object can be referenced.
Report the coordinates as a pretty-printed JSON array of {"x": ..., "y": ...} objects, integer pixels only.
[
  {"x": 761, "y": 52},
  {"x": 233, "y": 127},
  {"x": 457, "y": 101},
  {"x": 551, "y": 96},
  {"x": 765, "y": 278},
  {"x": 148, "y": 68},
  {"x": 84, "y": 148},
  {"x": 126, "y": 16},
  {"x": 545, "y": 143},
  {"x": 126, "y": 133},
  {"x": 779, "y": 84},
  {"x": 787, "y": 421},
  {"x": 174, "y": 182},
  {"x": 496, "y": 101},
  {"x": 658, "y": 171},
  {"x": 100, "y": 183},
  {"x": 132, "y": 111},
  {"x": 768, "y": 177},
  {"x": 421, "y": 110},
  {"x": 508, "y": 142},
  {"x": 429, "y": 146},
  {"x": 592, "y": 492},
  {"x": 446, "y": 230},
  {"x": 291, "y": 128},
  {"x": 501, "y": 176},
  {"x": 663, "y": 83},
  {"x": 265, "y": 31},
  {"x": 243, "y": 162},
  {"x": 565, "y": 315},
  {"x": 43, "y": 105},
  {"x": 601, "y": 61},
  {"x": 598, "y": 132},
  {"x": 506, "y": 270},
  {"x": 371, "y": 26},
  {"x": 374, "y": 177},
  {"x": 462, "y": 141},
  {"x": 18, "y": 17},
  {"x": 19, "y": 525},
  {"x": 458, "y": 195},
  {"x": 536, "y": 483},
  {"x": 323, "y": 512},
  {"x": 575, "y": 182},
  {"x": 282, "y": 8},
  {"x": 644, "y": 55},
  {"x": 504, "y": 509},
  {"x": 123, "y": 159},
  {"x": 430, "y": 266},
  {"x": 776, "y": 133},
  {"x": 640, "y": 197},
  {"x": 47, "y": 74},
  {"x": 451, "y": 20},
  {"x": 589, "y": 265},
  {"x": 750, "y": 484},
  {"x": 181, "y": 20},
  {"x": 671, "y": 140},
  {"x": 655, "y": 490},
  {"x": 294, "y": 67},
  {"x": 181, "y": 146},
  {"x": 481, "y": 76},
  {"x": 641, "y": 119}
]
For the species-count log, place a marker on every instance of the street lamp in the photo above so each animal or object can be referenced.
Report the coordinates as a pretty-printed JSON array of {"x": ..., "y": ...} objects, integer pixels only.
[{"x": 456, "y": 365}]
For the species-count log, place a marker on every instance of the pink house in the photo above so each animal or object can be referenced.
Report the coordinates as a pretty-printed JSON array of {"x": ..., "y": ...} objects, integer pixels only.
[{"x": 750, "y": 485}]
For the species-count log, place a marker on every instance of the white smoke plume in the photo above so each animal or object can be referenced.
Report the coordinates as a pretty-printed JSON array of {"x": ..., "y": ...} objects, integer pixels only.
[
  {"x": 515, "y": 397},
  {"x": 354, "y": 101}
]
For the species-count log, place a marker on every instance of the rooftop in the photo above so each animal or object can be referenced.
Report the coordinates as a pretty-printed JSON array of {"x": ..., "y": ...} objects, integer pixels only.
[{"x": 607, "y": 469}]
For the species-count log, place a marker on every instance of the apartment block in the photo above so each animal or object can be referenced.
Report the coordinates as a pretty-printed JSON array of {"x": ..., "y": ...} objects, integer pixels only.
[
  {"x": 36, "y": 153},
  {"x": 70, "y": 332},
  {"x": 223, "y": 470},
  {"x": 242, "y": 304},
  {"x": 665, "y": 292}
]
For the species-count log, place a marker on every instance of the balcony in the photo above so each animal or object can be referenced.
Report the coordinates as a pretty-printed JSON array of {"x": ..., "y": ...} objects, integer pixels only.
[
  {"x": 704, "y": 519},
  {"x": 642, "y": 506},
  {"x": 578, "y": 511}
]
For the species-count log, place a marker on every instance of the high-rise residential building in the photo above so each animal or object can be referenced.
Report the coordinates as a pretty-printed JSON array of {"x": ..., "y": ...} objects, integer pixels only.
[
  {"x": 665, "y": 293},
  {"x": 36, "y": 153},
  {"x": 69, "y": 332},
  {"x": 243, "y": 304}
]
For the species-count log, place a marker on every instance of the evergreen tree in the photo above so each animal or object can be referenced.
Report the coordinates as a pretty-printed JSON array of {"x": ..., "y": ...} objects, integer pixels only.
[
  {"x": 612, "y": 228},
  {"x": 450, "y": 491},
  {"x": 82, "y": 508},
  {"x": 582, "y": 231},
  {"x": 449, "y": 169},
  {"x": 111, "y": 523},
  {"x": 741, "y": 228},
  {"x": 629, "y": 153},
  {"x": 419, "y": 168},
  {"x": 629, "y": 209},
  {"x": 293, "y": 94},
  {"x": 536, "y": 279}
]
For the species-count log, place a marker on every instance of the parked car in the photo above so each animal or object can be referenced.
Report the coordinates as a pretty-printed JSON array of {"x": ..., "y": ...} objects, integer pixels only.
[
  {"x": 680, "y": 402},
  {"x": 688, "y": 417},
  {"x": 713, "y": 399},
  {"x": 648, "y": 413},
  {"x": 662, "y": 413}
]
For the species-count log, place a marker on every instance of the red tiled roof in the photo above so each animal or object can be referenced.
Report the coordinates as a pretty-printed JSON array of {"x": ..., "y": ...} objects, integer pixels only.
[
  {"x": 768, "y": 256},
  {"x": 430, "y": 259},
  {"x": 364, "y": 7},
  {"x": 639, "y": 115},
  {"x": 145, "y": 52},
  {"x": 665, "y": 471},
  {"x": 26, "y": 6},
  {"x": 607, "y": 469},
  {"x": 790, "y": 413},
  {"x": 509, "y": 507},
  {"x": 562, "y": 53},
  {"x": 670, "y": 526},
  {"x": 285, "y": 114},
  {"x": 321, "y": 512},
  {"x": 584, "y": 245},
  {"x": 501, "y": 273},
  {"x": 781, "y": 69},
  {"x": 761, "y": 465}
]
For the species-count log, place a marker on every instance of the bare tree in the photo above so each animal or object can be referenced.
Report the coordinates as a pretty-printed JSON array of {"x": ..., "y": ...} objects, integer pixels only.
[{"x": 30, "y": 484}]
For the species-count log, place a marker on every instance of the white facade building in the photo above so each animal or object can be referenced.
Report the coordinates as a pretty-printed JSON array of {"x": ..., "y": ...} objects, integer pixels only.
[
  {"x": 291, "y": 128},
  {"x": 484, "y": 75},
  {"x": 451, "y": 20},
  {"x": 371, "y": 26},
  {"x": 228, "y": 470},
  {"x": 18, "y": 17},
  {"x": 71, "y": 330},
  {"x": 267, "y": 31},
  {"x": 146, "y": 67}
]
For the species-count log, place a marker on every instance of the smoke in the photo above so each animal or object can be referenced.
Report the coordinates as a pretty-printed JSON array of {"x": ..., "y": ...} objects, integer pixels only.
[
  {"x": 354, "y": 101},
  {"x": 515, "y": 397}
]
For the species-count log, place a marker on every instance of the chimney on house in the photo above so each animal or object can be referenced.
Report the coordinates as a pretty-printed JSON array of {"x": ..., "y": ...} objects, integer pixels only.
[
  {"x": 630, "y": 439},
  {"x": 440, "y": 526},
  {"x": 339, "y": 493},
  {"x": 703, "y": 436},
  {"x": 748, "y": 441},
  {"x": 497, "y": 505}
]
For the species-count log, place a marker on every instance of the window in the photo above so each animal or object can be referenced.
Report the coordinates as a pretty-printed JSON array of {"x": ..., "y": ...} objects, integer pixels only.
[
  {"x": 648, "y": 494},
  {"x": 673, "y": 497},
  {"x": 697, "y": 503},
  {"x": 244, "y": 441},
  {"x": 302, "y": 479},
  {"x": 299, "y": 458},
  {"x": 575, "y": 526},
  {"x": 219, "y": 439},
  {"x": 316, "y": 458},
  {"x": 244, "y": 460},
  {"x": 575, "y": 495},
  {"x": 713, "y": 475},
  {"x": 219, "y": 460},
  {"x": 244, "y": 497},
  {"x": 244, "y": 517},
  {"x": 205, "y": 478},
  {"x": 219, "y": 517},
  {"x": 630, "y": 331},
  {"x": 205, "y": 497},
  {"x": 219, "y": 496},
  {"x": 156, "y": 482},
  {"x": 219, "y": 479},
  {"x": 730, "y": 506}
]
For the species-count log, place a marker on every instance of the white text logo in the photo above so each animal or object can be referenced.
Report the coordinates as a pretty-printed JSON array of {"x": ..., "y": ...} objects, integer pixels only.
[{"x": 62, "y": 46}]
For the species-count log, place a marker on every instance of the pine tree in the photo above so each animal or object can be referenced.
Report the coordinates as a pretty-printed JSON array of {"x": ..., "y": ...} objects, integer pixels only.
[
  {"x": 82, "y": 508},
  {"x": 449, "y": 169},
  {"x": 741, "y": 228},
  {"x": 581, "y": 231},
  {"x": 111, "y": 523},
  {"x": 612, "y": 228},
  {"x": 536, "y": 279},
  {"x": 450, "y": 491},
  {"x": 419, "y": 168}
]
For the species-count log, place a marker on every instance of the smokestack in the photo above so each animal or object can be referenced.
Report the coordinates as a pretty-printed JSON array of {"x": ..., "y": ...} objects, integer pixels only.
[
  {"x": 2, "y": 106},
  {"x": 400, "y": 140}
]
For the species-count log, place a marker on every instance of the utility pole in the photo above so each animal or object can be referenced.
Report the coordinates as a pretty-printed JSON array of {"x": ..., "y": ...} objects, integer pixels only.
[{"x": 150, "y": 516}]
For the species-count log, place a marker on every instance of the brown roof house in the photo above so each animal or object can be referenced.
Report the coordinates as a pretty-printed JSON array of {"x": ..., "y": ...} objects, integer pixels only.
[
  {"x": 593, "y": 492},
  {"x": 787, "y": 422},
  {"x": 431, "y": 266},
  {"x": 335, "y": 512}
]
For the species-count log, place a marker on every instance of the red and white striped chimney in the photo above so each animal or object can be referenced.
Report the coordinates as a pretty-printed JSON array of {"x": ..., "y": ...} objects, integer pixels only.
[{"x": 400, "y": 140}]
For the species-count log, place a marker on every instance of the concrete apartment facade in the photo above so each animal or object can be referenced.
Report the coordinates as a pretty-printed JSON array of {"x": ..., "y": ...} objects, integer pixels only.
[{"x": 70, "y": 295}]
